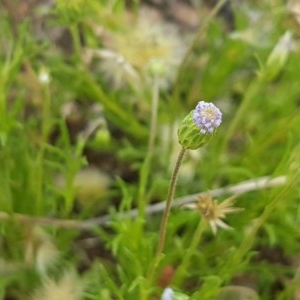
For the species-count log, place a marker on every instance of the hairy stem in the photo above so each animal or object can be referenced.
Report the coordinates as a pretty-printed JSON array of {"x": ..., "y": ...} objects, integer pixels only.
[{"x": 165, "y": 217}]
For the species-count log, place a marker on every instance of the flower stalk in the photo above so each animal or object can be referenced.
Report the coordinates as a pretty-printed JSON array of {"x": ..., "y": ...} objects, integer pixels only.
[
  {"x": 165, "y": 217},
  {"x": 195, "y": 131},
  {"x": 164, "y": 221},
  {"x": 145, "y": 170}
]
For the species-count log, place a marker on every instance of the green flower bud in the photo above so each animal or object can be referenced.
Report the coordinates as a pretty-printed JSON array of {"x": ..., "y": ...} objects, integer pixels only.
[
  {"x": 199, "y": 126},
  {"x": 157, "y": 67}
]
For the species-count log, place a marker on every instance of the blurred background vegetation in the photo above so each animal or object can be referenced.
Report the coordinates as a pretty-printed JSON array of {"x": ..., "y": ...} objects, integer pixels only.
[{"x": 91, "y": 97}]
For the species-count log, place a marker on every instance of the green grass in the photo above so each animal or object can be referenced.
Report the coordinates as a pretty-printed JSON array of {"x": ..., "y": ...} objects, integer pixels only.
[{"x": 52, "y": 246}]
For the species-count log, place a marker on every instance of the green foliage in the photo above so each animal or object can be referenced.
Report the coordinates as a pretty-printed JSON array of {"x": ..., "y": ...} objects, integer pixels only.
[{"x": 87, "y": 100}]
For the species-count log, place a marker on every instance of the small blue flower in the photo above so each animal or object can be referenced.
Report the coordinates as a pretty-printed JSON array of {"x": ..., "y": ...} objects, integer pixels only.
[
  {"x": 168, "y": 294},
  {"x": 199, "y": 126},
  {"x": 207, "y": 117}
]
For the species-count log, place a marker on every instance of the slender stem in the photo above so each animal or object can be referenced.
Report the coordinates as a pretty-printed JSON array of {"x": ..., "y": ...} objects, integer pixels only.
[
  {"x": 144, "y": 173},
  {"x": 190, "y": 252},
  {"x": 154, "y": 109},
  {"x": 291, "y": 288},
  {"x": 4, "y": 116},
  {"x": 45, "y": 128},
  {"x": 247, "y": 242},
  {"x": 192, "y": 47},
  {"x": 165, "y": 217},
  {"x": 251, "y": 92},
  {"x": 114, "y": 112},
  {"x": 145, "y": 170},
  {"x": 76, "y": 41}
]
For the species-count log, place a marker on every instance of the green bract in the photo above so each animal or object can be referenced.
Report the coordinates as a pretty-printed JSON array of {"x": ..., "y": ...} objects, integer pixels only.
[{"x": 189, "y": 134}]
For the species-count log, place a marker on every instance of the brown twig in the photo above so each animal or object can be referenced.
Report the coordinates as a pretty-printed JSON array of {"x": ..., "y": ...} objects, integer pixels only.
[{"x": 240, "y": 188}]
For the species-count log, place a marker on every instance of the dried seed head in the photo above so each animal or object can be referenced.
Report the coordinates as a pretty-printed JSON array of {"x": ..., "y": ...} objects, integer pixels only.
[
  {"x": 215, "y": 212},
  {"x": 68, "y": 287}
]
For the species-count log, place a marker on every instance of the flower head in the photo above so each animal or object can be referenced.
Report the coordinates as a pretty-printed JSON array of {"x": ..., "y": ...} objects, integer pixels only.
[
  {"x": 147, "y": 50},
  {"x": 207, "y": 117},
  {"x": 44, "y": 77},
  {"x": 68, "y": 287},
  {"x": 115, "y": 67},
  {"x": 199, "y": 126},
  {"x": 215, "y": 212},
  {"x": 41, "y": 251},
  {"x": 168, "y": 294}
]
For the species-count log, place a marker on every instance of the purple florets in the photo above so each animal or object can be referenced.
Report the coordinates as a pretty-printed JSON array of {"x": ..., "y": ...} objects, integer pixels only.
[{"x": 207, "y": 117}]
